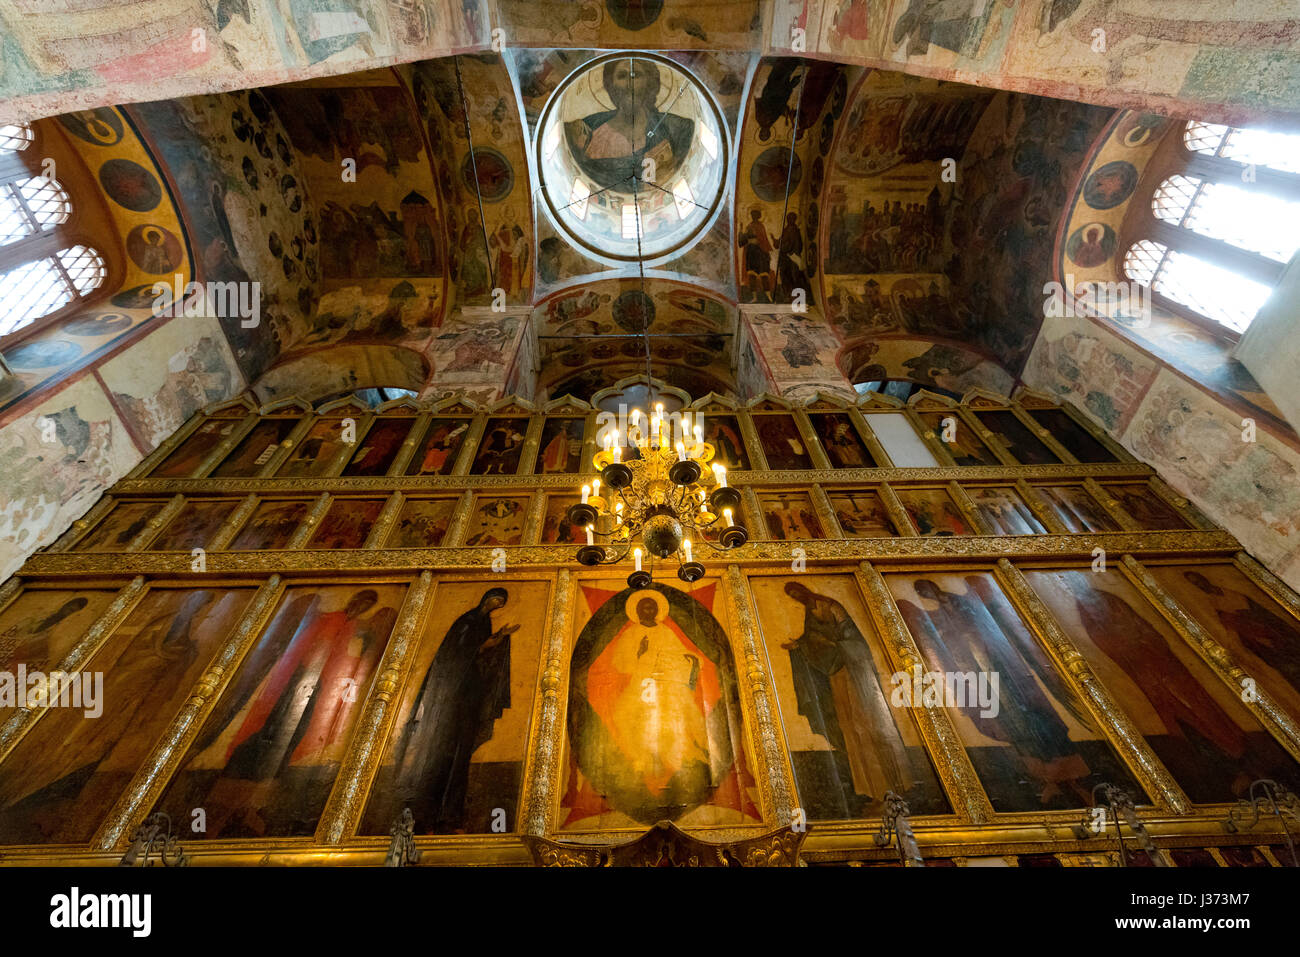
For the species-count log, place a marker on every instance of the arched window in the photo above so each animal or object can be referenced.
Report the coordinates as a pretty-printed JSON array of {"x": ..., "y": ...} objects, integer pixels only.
[
  {"x": 41, "y": 269},
  {"x": 1223, "y": 228}
]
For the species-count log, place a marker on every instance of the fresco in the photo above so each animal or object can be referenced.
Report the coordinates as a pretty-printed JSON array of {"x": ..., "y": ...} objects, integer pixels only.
[
  {"x": 1075, "y": 359},
  {"x": 457, "y": 751},
  {"x": 248, "y": 211},
  {"x": 177, "y": 369},
  {"x": 1024, "y": 154},
  {"x": 1126, "y": 166},
  {"x": 380, "y": 223},
  {"x": 697, "y": 329},
  {"x": 58, "y": 459},
  {"x": 785, "y": 149},
  {"x": 667, "y": 24},
  {"x": 98, "y": 151},
  {"x": 1253, "y": 488},
  {"x": 797, "y": 350},
  {"x": 680, "y": 754},
  {"x": 492, "y": 249}
]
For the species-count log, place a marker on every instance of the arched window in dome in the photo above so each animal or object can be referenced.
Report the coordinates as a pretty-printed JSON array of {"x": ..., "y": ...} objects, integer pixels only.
[
  {"x": 42, "y": 269},
  {"x": 1224, "y": 226}
]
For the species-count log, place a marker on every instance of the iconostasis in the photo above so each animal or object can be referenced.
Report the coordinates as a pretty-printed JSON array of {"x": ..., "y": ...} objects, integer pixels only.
[{"x": 297, "y": 623}]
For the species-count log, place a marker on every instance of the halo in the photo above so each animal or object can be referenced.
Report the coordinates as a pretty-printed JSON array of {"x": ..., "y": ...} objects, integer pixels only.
[{"x": 634, "y": 599}]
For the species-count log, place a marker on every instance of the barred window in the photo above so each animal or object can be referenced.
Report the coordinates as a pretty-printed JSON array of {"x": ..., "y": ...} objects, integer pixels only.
[
  {"x": 1225, "y": 226},
  {"x": 41, "y": 269}
]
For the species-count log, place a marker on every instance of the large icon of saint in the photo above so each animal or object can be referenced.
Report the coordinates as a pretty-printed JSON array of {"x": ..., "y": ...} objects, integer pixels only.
[
  {"x": 465, "y": 689},
  {"x": 610, "y": 146},
  {"x": 653, "y": 716}
]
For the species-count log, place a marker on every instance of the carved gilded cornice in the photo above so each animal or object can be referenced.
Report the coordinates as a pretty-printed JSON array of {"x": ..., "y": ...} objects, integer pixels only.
[
  {"x": 890, "y": 550},
  {"x": 573, "y": 481}
]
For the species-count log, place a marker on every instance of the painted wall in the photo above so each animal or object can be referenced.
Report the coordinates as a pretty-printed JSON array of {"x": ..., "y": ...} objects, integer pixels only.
[{"x": 1198, "y": 442}]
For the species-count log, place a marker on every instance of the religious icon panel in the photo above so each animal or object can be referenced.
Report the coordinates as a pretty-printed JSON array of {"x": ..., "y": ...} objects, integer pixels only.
[
  {"x": 497, "y": 520},
  {"x": 38, "y": 629},
  {"x": 1078, "y": 441},
  {"x": 347, "y": 523},
  {"x": 556, "y": 527},
  {"x": 456, "y": 752},
  {"x": 379, "y": 446},
  {"x": 861, "y": 514},
  {"x": 655, "y": 729},
  {"x": 1260, "y": 634},
  {"x": 312, "y": 456},
  {"x": 63, "y": 777},
  {"x": 119, "y": 527},
  {"x": 1005, "y": 511},
  {"x": 1198, "y": 727},
  {"x": 266, "y": 757},
  {"x": 834, "y": 683},
  {"x": 1030, "y": 738},
  {"x": 1017, "y": 438},
  {"x": 271, "y": 525},
  {"x": 255, "y": 449},
  {"x": 783, "y": 445},
  {"x": 184, "y": 461},
  {"x": 422, "y": 523},
  {"x": 437, "y": 453},
  {"x": 723, "y": 433},
  {"x": 1146, "y": 507},
  {"x": 503, "y": 443},
  {"x": 790, "y": 516},
  {"x": 561, "y": 447},
  {"x": 933, "y": 512},
  {"x": 965, "y": 447},
  {"x": 1076, "y": 509},
  {"x": 840, "y": 439},
  {"x": 194, "y": 525}
]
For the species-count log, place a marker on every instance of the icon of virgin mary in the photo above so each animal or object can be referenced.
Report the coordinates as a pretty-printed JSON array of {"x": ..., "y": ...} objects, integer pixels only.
[{"x": 611, "y": 146}]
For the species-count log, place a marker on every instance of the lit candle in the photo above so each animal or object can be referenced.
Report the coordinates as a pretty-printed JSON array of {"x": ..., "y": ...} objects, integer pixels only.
[
  {"x": 636, "y": 555},
  {"x": 726, "y": 513},
  {"x": 591, "y": 539},
  {"x": 681, "y": 452},
  {"x": 586, "y": 493},
  {"x": 595, "y": 487},
  {"x": 618, "y": 453},
  {"x": 609, "y": 441},
  {"x": 721, "y": 473},
  {"x": 699, "y": 435},
  {"x": 618, "y": 438},
  {"x": 618, "y": 511},
  {"x": 686, "y": 547}
]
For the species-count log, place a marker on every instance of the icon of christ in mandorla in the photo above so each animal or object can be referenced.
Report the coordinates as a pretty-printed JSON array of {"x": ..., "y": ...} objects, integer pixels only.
[{"x": 652, "y": 716}]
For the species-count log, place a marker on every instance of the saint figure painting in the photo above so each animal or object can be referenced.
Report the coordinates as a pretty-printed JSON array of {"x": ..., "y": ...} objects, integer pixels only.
[
  {"x": 842, "y": 689},
  {"x": 455, "y": 756},
  {"x": 464, "y": 691}
]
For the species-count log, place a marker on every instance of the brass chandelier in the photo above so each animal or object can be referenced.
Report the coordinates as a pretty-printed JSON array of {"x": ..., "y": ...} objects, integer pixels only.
[{"x": 666, "y": 499}]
